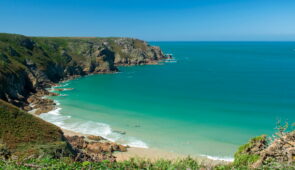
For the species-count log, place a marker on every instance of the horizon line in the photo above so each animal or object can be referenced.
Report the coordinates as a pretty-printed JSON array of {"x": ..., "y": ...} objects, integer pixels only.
[{"x": 150, "y": 40}]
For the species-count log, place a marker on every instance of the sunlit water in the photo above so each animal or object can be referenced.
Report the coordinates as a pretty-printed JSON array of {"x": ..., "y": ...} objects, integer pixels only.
[{"x": 214, "y": 98}]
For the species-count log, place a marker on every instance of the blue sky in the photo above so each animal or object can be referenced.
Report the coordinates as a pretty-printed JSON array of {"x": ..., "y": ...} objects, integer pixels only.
[{"x": 153, "y": 20}]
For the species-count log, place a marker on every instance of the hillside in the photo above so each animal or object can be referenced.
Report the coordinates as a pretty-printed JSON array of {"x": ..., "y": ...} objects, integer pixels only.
[
  {"x": 31, "y": 63},
  {"x": 23, "y": 135}
]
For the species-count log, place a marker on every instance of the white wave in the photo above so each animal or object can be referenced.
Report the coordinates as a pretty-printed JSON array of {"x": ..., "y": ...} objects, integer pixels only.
[
  {"x": 68, "y": 89},
  {"x": 50, "y": 89},
  {"x": 44, "y": 97},
  {"x": 227, "y": 159},
  {"x": 63, "y": 95},
  {"x": 32, "y": 111},
  {"x": 172, "y": 60},
  {"x": 61, "y": 85},
  {"x": 57, "y": 103},
  {"x": 57, "y": 119},
  {"x": 55, "y": 111},
  {"x": 65, "y": 85},
  {"x": 104, "y": 130},
  {"x": 136, "y": 143},
  {"x": 91, "y": 128}
]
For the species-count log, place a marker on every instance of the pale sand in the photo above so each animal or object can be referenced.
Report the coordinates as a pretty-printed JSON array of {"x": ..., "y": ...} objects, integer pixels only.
[{"x": 151, "y": 154}]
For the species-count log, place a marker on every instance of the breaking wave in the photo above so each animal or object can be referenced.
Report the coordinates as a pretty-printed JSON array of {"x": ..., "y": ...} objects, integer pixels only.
[
  {"x": 90, "y": 127},
  {"x": 227, "y": 159}
]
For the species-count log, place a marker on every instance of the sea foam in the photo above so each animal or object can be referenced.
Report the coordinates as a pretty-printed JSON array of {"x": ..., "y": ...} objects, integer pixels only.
[
  {"x": 227, "y": 159},
  {"x": 55, "y": 111},
  {"x": 89, "y": 127}
]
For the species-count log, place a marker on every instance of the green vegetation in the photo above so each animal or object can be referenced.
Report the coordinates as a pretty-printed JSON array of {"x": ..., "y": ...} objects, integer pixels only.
[
  {"x": 65, "y": 163},
  {"x": 139, "y": 44},
  {"x": 26, "y": 135},
  {"x": 43, "y": 51},
  {"x": 244, "y": 157},
  {"x": 27, "y": 61},
  {"x": 15, "y": 49}
]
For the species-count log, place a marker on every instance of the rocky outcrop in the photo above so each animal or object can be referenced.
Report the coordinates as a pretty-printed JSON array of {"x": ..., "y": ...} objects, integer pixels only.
[
  {"x": 39, "y": 104},
  {"x": 94, "y": 148},
  {"x": 281, "y": 150},
  {"x": 136, "y": 53},
  {"x": 30, "y": 64},
  {"x": 259, "y": 152}
]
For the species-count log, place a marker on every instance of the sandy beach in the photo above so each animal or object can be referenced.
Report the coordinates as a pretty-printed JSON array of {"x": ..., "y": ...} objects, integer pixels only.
[{"x": 151, "y": 154}]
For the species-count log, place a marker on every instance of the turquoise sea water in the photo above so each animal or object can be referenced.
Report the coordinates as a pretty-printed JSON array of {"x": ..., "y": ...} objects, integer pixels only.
[{"x": 213, "y": 99}]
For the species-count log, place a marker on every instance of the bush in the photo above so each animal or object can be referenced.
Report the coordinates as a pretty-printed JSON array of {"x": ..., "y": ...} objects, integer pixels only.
[{"x": 67, "y": 163}]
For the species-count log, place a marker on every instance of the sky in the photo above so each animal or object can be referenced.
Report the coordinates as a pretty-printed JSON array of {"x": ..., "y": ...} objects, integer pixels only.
[{"x": 152, "y": 20}]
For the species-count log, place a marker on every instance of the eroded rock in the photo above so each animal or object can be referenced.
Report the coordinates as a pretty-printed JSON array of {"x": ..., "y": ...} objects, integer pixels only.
[{"x": 94, "y": 151}]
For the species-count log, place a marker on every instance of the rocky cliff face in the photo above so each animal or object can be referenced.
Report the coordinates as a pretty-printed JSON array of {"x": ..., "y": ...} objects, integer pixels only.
[{"x": 31, "y": 63}]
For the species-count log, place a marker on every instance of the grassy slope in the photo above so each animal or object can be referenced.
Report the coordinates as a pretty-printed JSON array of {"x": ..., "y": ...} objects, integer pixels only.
[
  {"x": 26, "y": 135},
  {"x": 14, "y": 49}
]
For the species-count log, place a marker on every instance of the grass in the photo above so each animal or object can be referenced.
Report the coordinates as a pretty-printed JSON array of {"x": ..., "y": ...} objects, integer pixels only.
[
  {"x": 65, "y": 163},
  {"x": 27, "y": 135},
  {"x": 242, "y": 156},
  {"x": 46, "y": 52},
  {"x": 139, "y": 44}
]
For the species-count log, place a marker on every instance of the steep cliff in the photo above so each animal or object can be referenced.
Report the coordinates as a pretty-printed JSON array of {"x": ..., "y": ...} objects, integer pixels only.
[{"x": 31, "y": 63}]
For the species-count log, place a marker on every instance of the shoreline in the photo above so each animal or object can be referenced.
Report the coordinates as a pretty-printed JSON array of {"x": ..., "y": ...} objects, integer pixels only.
[{"x": 152, "y": 154}]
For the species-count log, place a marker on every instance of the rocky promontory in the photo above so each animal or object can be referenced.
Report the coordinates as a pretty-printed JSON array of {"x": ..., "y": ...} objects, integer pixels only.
[{"x": 31, "y": 64}]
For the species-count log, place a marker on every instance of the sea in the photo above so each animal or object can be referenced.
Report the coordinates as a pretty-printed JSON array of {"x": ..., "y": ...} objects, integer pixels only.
[{"x": 211, "y": 98}]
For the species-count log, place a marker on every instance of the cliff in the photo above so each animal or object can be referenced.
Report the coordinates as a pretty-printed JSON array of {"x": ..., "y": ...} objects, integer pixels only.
[{"x": 31, "y": 63}]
